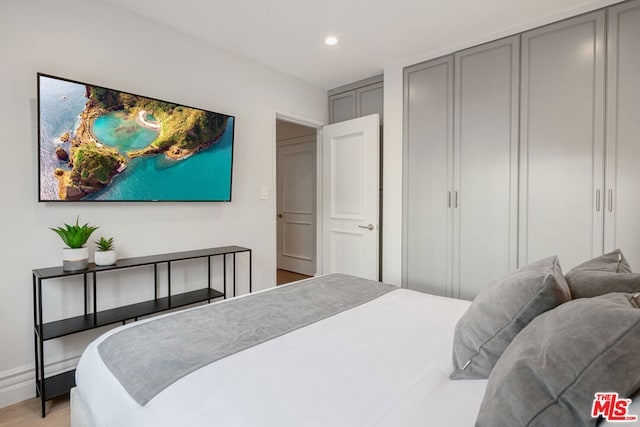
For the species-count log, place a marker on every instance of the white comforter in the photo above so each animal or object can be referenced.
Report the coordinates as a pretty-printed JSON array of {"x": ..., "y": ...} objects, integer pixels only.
[{"x": 385, "y": 363}]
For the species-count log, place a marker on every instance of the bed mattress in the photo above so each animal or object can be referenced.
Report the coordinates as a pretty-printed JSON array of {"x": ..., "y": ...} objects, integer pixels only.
[{"x": 383, "y": 363}]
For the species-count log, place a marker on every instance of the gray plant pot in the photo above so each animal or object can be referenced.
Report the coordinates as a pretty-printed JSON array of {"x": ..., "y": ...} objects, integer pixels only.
[{"x": 75, "y": 259}]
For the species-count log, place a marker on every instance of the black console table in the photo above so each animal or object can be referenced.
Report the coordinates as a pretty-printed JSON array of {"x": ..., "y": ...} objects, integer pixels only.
[{"x": 57, "y": 385}]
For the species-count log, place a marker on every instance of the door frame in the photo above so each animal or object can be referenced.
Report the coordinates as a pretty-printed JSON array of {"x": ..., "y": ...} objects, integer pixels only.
[{"x": 311, "y": 123}]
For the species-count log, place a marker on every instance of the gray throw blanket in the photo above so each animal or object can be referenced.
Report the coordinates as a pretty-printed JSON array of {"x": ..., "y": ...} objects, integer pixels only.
[{"x": 151, "y": 356}]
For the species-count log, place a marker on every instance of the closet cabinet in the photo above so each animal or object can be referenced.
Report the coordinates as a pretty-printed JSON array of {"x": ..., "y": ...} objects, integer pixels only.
[
  {"x": 570, "y": 144},
  {"x": 562, "y": 141},
  {"x": 342, "y": 107},
  {"x": 358, "y": 99},
  {"x": 622, "y": 205},
  {"x": 461, "y": 134}
]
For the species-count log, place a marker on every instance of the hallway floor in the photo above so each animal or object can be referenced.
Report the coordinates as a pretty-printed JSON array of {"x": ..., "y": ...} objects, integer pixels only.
[{"x": 285, "y": 276}]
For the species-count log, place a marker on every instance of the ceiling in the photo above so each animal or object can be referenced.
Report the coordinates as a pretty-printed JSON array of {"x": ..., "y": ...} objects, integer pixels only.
[{"x": 288, "y": 35}]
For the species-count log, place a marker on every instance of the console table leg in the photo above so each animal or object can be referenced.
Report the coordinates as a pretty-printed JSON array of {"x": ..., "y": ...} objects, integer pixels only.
[
  {"x": 234, "y": 274},
  {"x": 250, "y": 275},
  {"x": 35, "y": 346},
  {"x": 35, "y": 334},
  {"x": 155, "y": 281},
  {"x": 224, "y": 274},
  {"x": 169, "y": 281},
  {"x": 41, "y": 342},
  {"x": 209, "y": 276},
  {"x": 86, "y": 299},
  {"x": 95, "y": 299}
]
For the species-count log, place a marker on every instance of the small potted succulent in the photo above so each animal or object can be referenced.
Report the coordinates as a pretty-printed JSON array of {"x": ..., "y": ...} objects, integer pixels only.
[
  {"x": 105, "y": 253},
  {"x": 76, "y": 255}
]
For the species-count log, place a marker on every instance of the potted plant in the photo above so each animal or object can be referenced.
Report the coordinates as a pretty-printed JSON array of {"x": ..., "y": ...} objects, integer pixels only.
[
  {"x": 105, "y": 253},
  {"x": 76, "y": 255}
]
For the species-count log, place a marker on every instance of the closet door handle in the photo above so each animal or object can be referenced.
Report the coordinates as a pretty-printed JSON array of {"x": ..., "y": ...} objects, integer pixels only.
[
  {"x": 610, "y": 200},
  {"x": 455, "y": 199},
  {"x": 449, "y": 198},
  {"x": 597, "y": 200}
]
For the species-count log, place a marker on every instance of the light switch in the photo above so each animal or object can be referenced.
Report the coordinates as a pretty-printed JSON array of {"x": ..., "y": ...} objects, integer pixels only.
[{"x": 264, "y": 193}]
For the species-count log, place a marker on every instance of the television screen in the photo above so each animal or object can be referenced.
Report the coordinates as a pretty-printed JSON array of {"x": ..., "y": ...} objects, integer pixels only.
[{"x": 99, "y": 144}]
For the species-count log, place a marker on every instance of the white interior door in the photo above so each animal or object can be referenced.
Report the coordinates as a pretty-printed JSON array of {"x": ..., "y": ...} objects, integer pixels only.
[
  {"x": 350, "y": 178},
  {"x": 296, "y": 180}
]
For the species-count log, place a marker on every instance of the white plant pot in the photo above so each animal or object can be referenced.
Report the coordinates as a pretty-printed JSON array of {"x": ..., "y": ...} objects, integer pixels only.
[
  {"x": 75, "y": 259},
  {"x": 106, "y": 257}
]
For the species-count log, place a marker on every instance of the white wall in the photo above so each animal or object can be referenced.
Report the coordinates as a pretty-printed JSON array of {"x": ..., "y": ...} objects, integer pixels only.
[
  {"x": 392, "y": 177},
  {"x": 99, "y": 43},
  {"x": 393, "y": 126}
]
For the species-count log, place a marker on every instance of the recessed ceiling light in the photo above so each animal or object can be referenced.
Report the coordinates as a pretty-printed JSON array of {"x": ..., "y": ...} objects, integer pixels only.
[{"x": 331, "y": 40}]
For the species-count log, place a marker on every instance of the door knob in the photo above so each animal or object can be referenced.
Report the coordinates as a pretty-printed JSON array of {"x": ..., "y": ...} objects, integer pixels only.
[
  {"x": 368, "y": 227},
  {"x": 280, "y": 215}
]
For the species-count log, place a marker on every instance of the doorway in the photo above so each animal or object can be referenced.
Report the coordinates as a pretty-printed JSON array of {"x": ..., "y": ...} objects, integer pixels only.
[{"x": 296, "y": 195}]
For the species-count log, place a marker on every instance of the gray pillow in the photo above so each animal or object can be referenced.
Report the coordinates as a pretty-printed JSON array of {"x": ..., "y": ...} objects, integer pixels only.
[
  {"x": 551, "y": 371},
  {"x": 587, "y": 284},
  {"x": 502, "y": 310},
  {"x": 613, "y": 262},
  {"x": 602, "y": 275}
]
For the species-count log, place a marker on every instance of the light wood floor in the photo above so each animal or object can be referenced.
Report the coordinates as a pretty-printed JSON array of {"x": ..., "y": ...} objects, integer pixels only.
[
  {"x": 27, "y": 414},
  {"x": 285, "y": 276}
]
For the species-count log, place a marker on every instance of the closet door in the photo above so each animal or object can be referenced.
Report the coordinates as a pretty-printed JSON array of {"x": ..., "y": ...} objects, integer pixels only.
[
  {"x": 622, "y": 207},
  {"x": 562, "y": 141},
  {"x": 485, "y": 165},
  {"x": 428, "y": 144},
  {"x": 342, "y": 107},
  {"x": 370, "y": 100}
]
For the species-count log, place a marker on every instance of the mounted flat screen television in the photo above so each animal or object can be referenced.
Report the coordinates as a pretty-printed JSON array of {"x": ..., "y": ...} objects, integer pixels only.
[{"x": 100, "y": 144}]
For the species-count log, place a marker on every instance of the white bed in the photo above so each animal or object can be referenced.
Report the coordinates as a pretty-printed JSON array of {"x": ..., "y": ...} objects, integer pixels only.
[{"x": 384, "y": 363}]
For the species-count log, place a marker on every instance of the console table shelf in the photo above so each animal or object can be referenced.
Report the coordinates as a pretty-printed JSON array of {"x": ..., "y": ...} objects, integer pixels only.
[
  {"x": 71, "y": 325},
  {"x": 56, "y": 385}
]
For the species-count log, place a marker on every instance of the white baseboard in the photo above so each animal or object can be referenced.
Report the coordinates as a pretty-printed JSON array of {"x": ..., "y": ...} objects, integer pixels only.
[{"x": 18, "y": 384}]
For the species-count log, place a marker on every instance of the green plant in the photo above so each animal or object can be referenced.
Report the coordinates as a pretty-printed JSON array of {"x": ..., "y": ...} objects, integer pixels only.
[
  {"x": 75, "y": 236},
  {"x": 105, "y": 244}
]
